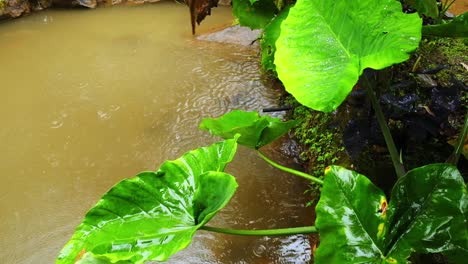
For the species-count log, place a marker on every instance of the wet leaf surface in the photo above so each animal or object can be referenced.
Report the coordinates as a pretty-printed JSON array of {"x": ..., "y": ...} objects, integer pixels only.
[
  {"x": 155, "y": 214},
  {"x": 426, "y": 214},
  {"x": 332, "y": 42},
  {"x": 255, "y": 130}
]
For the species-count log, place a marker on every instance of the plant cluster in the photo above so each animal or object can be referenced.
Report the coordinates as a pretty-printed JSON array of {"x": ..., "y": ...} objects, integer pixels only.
[{"x": 319, "y": 49}]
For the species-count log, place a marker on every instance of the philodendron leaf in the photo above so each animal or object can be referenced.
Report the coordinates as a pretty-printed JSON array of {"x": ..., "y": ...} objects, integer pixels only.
[
  {"x": 426, "y": 214},
  {"x": 324, "y": 46},
  {"x": 254, "y": 13},
  {"x": 155, "y": 214},
  {"x": 255, "y": 130},
  {"x": 457, "y": 28}
]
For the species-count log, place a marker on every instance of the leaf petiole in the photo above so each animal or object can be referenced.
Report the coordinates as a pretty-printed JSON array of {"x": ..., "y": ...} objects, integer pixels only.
[
  {"x": 289, "y": 170},
  {"x": 264, "y": 232},
  {"x": 399, "y": 168}
]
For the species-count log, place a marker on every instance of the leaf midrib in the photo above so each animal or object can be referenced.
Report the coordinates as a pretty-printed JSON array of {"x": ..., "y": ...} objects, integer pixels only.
[
  {"x": 359, "y": 220},
  {"x": 417, "y": 215},
  {"x": 332, "y": 31}
]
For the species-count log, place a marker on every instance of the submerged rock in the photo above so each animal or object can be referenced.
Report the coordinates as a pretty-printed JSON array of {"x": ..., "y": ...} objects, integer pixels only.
[{"x": 234, "y": 35}]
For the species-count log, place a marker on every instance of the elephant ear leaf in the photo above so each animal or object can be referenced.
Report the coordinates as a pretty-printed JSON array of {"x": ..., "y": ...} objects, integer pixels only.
[
  {"x": 428, "y": 213},
  {"x": 350, "y": 219},
  {"x": 255, "y": 131},
  {"x": 155, "y": 214},
  {"x": 324, "y": 46}
]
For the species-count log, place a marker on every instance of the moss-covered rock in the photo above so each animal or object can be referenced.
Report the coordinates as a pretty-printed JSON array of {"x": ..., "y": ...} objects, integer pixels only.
[{"x": 424, "y": 117}]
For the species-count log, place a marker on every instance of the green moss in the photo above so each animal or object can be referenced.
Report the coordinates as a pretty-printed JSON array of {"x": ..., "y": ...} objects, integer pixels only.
[
  {"x": 322, "y": 144},
  {"x": 443, "y": 51}
]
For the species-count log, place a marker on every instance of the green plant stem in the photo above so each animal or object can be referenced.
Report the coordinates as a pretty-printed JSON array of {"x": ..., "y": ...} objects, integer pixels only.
[
  {"x": 453, "y": 159},
  {"x": 399, "y": 168},
  {"x": 265, "y": 232},
  {"x": 444, "y": 8},
  {"x": 289, "y": 170}
]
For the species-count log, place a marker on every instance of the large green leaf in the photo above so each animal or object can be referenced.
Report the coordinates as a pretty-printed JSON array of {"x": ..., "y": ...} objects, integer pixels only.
[
  {"x": 268, "y": 41},
  {"x": 348, "y": 219},
  {"x": 155, "y": 214},
  {"x": 324, "y": 46},
  {"x": 425, "y": 7},
  {"x": 256, "y": 131},
  {"x": 426, "y": 214},
  {"x": 457, "y": 28},
  {"x": 254, "y": 13}
]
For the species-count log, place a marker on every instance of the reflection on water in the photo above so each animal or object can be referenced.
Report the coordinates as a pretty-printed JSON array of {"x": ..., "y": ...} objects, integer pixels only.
[{"x": 90, "y": 97}]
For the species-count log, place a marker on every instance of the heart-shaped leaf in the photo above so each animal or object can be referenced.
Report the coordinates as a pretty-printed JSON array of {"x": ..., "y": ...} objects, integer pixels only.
[
  {"x": 324, "y": 46},
  {"x": 255, "y": 130},
  {"x": 426, "y": 214},
  {"x": 155, "y": 214}
]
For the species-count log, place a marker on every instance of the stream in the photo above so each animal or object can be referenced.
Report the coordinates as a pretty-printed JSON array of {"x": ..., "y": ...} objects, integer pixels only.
[{"x": 90, "y": 97}]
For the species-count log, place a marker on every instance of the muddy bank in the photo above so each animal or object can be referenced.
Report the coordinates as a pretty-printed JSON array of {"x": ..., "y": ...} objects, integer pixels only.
[{"x": 15, "y": 8}]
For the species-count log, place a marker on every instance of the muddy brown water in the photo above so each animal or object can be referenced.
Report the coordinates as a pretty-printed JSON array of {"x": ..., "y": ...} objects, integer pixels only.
[{"x": 90, "y": 97}]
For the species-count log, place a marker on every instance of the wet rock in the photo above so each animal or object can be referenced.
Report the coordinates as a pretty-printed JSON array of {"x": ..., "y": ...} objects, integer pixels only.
[
  {"x": 14, "y": 8},
  {"x": 400, "y": 105},
  {"x": 445, "y": 101},
  {"x": 426, "y": 81},
  {"x": 75, "y": 3},
  {"x": 139, "y": 1},
  {"x": 356, "y": 137},
  {"x": 42, "y": 4},
  {"x": 436, "y": 69},
  {"x": 234, "y": 35},
  {"x": 88, "y": 3}
]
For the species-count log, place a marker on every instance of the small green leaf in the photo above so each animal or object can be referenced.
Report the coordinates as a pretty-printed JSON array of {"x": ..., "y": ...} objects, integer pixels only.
[
  {"x": 425, "y": 7},
  {"x": 324, "y": 46},
  {"x": 155, "y": 214},
  {"x": 268, "y": 41},
  {"x": 254, "y": 13},
  {"x": 349, "y": 219},
  {"x": 456, "y": 28},
  {"x": 256, "y": 131},
  {"x": 427, "y": 214}
]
